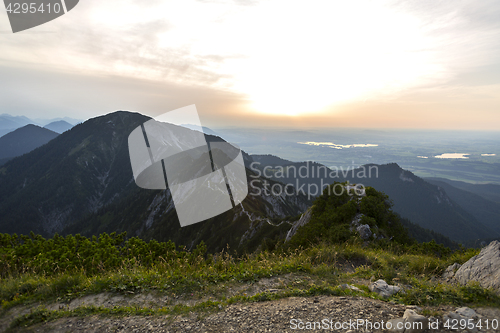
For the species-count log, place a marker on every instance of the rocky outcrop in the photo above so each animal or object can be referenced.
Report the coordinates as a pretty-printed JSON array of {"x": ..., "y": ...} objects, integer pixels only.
[
  {"x": 304, "y": 219},
  {"x": 449, "y": 273},
  {"x": 364, "y": 231},
  {"x": 383, "y": 289},
  {"x": 483, "y": 268}
]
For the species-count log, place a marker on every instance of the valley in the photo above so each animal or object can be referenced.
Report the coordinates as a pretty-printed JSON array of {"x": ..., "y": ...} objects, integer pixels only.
[{"x": 413, "y": 150}]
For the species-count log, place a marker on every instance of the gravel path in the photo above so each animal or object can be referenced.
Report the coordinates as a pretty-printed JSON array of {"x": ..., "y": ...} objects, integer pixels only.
[{"x": 284, "y": 315}]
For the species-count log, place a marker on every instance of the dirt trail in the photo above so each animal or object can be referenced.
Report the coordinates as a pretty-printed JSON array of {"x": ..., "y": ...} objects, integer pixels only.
[{"x": 282, "y": 315}]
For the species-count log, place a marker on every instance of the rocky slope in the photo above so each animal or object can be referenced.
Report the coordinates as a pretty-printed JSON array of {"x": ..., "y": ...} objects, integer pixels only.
[
  {"x": 422, "y": 203},
  {"x": 483, "y": 268}
]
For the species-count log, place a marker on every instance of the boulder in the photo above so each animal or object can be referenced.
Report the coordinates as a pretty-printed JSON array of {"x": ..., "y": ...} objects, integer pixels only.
[
  {"x": 467, "y": 313},
  {"x": 364, "y": 231},
  {"x": 464, "y": 314},
  {"x": 396, "y": 325},
  {"x": 449, "y": 273},
  {"x": 348, "y": 286},
  {"x": 415, "y": 322},
  {"x": 383, "y": 289},
  {"x": 483, "y": 268},
  {"x": 411, "y": 322}
]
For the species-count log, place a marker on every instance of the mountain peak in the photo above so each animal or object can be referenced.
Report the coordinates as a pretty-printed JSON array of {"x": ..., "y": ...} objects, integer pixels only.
[
  {"x": 59, "y": 126},
  {"x": 24, "y": 140}
]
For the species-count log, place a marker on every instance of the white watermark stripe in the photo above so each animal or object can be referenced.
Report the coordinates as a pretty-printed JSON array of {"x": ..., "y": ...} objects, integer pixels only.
[{"x": 64, "y": 6}]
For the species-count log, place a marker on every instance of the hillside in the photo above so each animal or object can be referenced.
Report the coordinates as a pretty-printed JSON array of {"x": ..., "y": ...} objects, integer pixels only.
[
  {"x": 338, "y": 217},
  {"x": 24, "y": 140},
  {"x": 485, "y": 211},
  {"x": 82, "y": 182},
  {"x": 265, "y": 160},
  {"x": 76, "y": 173},
  {"x": 414, "y": 199},
  {"x": 151, "y": 215},
  {"x": 487, "y": 191},
  {"x": 425, "y": 204}
]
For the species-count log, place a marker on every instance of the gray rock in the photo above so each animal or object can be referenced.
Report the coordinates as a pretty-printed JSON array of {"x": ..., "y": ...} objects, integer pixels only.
[
  {"x": 364, "y": 231},
  {"x": 449, "y": 273},
  {"x": 451, "y": 316},
  {"x": 304, "y": 219},
  {"x": 467, "y": 313},
  {"x": 356, "y": 220},
  {"x": 414, "y": 322},
  {"x": 483, "y": 268},
  {"x": 463, "y": 313},
  {"x": 383, "y": 289},
  {"x": 411, "y": 322},
  {"x": 393, "y": 325},
  {"x": 348, "y": 286}
]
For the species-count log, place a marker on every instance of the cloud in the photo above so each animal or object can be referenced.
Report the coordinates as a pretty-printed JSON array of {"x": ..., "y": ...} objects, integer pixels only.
[
  {"x": 90, "y": 42},
  {"x": 47, "y": 93}
]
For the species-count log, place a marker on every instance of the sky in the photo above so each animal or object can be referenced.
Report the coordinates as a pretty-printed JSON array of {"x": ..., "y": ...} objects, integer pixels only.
[{"x": 247, "y": 63}]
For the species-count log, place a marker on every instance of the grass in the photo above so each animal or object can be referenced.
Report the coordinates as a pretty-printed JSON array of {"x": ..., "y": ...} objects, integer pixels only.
[{"x": 207, "y": 280}]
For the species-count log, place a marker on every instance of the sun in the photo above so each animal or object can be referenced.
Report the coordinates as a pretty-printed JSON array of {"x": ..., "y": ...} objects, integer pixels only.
[
  {"x": 305, "y": 59},
  {"x": 290, "y": 57}
]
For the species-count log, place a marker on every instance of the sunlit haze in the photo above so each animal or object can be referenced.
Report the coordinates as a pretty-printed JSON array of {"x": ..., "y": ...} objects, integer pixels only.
[{"x": 321, "y": 63}]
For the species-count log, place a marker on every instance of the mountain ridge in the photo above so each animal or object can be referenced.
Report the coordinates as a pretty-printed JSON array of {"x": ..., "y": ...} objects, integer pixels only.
[
  {"x": 414, "y": 199},
  {"x": 59, "y": 126},
  {"x": 82, "y": 181},
  {"x": 23, "y": 140}
]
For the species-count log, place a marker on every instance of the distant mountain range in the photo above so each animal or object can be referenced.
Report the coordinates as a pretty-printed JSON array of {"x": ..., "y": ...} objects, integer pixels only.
[
  {"x": 81, "y": 182},
  {"x": 12, "y": 122},
  {"x": 45, "y": 121},
  {"x": 59, "y": 126},
  {"x": 9, "y": 123},
  {"x": 490, "y": 192},
  {"x": 23, "y": 140},
  {"x": 429, "y": 205}
]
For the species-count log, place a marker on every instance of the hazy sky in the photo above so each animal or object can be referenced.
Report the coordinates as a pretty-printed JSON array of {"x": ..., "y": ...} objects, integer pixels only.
[{"x": 419, "y": 64}]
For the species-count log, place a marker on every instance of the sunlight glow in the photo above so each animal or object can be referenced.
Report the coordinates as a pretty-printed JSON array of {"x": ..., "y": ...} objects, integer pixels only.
[
  {"x": 287, "y": 57},
  {"x": 292, "y": 58}
]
